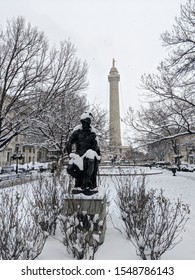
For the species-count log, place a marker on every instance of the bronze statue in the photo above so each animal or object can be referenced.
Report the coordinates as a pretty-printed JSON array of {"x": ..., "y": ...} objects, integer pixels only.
[{"x": 83, "y": 164}]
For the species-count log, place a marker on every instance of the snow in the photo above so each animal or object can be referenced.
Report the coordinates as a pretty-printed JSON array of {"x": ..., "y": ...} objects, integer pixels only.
[
  {"x": 116, "y": 246},
  {"x": 86, "y": 115},
  {"x": 77, "y": 160},
  {"x": 80, "y": 127}
]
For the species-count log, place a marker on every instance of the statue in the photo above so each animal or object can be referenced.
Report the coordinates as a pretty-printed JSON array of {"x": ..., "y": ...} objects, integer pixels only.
[
  {"x": 83, "y": 164},
  {"x": 113, "y": 62}
]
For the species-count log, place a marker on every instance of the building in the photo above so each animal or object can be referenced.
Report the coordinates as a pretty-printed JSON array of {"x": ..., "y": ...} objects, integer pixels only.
[
  {"x": 163, "y": 151},
  {"x": 28, "y": 152},
  {"x": 186, "y": 150}
]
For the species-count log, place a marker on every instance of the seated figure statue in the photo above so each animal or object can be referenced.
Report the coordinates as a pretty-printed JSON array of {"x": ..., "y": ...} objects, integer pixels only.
[{"x": 83, "y": 164}]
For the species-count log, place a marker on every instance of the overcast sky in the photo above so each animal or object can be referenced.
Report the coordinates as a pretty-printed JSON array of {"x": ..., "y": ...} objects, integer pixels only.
[{"x": 127, "y": 30}]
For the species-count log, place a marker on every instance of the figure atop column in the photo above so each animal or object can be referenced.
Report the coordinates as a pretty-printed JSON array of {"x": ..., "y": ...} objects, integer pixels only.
[{"x": 113, "y": 62}]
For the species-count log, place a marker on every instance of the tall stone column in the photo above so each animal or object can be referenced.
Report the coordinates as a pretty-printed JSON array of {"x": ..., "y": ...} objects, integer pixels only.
[{"x": 115, "y": 130}]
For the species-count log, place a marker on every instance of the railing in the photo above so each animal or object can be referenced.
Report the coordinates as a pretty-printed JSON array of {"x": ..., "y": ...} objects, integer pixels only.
[
  {"x": 12, "y": 176},
  {"x": 15, "y": 179}
]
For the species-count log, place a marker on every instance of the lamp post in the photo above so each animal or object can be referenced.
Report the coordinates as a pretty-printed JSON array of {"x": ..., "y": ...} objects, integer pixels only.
[
  {"x": 178, "y": 160},
  {"x": 17, "y": 155}
]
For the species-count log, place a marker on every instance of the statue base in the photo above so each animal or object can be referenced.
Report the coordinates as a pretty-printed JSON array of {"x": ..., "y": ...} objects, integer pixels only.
[
  {"x": 94, "y": 206},
  {"x": 87, "y": 192}
]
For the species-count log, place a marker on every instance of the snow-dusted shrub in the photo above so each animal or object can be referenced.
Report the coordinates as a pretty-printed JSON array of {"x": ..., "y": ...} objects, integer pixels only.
[
  {"x": 20, "y": 237},
  {"x": 152, "y": 222},
  {"x": 47, "y": 201},
  {"x": 81, "y": 233}
]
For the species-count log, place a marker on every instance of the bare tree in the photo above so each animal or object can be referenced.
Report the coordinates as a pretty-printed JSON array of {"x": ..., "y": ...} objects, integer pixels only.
[
  {"x": 52, "y": 128},
  {"x": 23, "y": 65},
  {"x": 134, "y": 155},
  {"x": 159, "y": 151},
  {"x": 170, "y": 92},
  {"x": 181, "y": 43},
  {"x": 162, "y": 123},
  {"x": 176, "y": 73},
  {"x": 100, "y": 122},
  {"x": 172, "y": 103},
  {"x": 36, "y": 81}
]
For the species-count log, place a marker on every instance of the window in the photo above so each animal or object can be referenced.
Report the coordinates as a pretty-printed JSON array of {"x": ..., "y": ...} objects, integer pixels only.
[{"x": 8, "y": 156}]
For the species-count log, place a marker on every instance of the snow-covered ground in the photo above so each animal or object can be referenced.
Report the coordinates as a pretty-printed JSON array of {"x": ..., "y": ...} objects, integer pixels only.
[{"x": 116, "y": 246}]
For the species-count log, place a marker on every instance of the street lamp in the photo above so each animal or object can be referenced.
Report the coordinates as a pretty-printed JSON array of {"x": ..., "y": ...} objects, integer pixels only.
[
  {"x": 17, "y": 155},
  {"x": 178, "y": 160}
]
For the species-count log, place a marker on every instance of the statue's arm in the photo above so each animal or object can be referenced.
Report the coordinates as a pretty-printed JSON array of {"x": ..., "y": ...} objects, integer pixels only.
[
  {"x": 96, "y": 147},
  {"x": 71, "y": 141}
]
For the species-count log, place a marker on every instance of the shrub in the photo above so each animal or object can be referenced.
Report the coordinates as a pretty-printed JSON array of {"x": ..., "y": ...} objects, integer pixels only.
[
  {"x": 20, "y": 237},
  {"x": 152, "y": 222},
  {"x": 47, "y": 201}
]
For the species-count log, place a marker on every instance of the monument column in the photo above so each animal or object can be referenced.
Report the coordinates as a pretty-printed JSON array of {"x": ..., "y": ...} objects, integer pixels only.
[{"x": 115, "y": 130}]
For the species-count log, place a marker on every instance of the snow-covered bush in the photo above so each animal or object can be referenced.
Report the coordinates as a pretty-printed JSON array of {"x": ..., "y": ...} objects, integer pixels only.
[
  {"x": 47, "y": 201},
  {"x": 152, "y": 222},
  {"x": 81, "y": 232},
  {"x": 20, "y": 237}
]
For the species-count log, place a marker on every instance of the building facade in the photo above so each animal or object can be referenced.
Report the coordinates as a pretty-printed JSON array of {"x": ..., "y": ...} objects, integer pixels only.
[
  {"x": 28, "y": 152},
  {"x": 186, "y": 150},
  {"x": 163, "y": 151}
]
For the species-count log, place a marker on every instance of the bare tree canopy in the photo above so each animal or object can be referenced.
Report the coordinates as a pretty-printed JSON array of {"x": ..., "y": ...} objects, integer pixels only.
[
  {"x": 181, "y": 43},
  {"x": 170, "y": 93},
  {"x": 33, "y": 77}
]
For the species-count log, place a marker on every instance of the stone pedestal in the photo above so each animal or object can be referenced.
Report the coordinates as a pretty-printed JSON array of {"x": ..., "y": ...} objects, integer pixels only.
[{"x": 94, "y": 206}]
